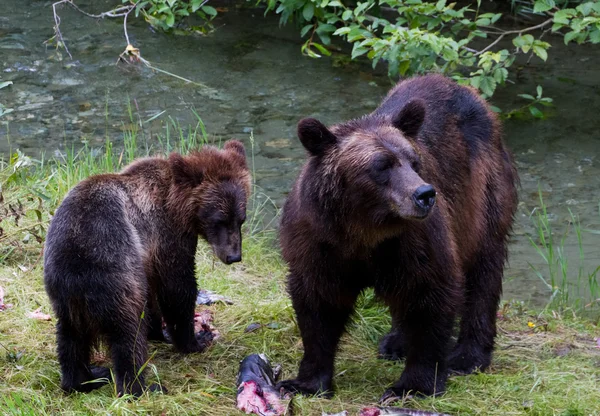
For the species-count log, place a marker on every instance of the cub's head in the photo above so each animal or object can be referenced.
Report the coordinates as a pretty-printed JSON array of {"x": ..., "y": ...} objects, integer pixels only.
[
  {"x": 210, "y": 192},
  {"x": 372, "y": 165}
]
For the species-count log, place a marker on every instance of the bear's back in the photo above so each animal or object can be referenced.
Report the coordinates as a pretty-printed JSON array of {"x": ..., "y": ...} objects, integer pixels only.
[{"x": 447, "y": 103}]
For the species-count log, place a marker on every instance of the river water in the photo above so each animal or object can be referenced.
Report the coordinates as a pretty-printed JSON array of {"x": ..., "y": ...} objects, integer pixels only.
[{"x": 257, "y": 81}]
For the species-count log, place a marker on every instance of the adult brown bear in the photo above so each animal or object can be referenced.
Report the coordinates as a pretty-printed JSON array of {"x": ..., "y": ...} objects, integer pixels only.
[
  {"x": 416, "y": 200},
  {"x": 119, "y": 256}
]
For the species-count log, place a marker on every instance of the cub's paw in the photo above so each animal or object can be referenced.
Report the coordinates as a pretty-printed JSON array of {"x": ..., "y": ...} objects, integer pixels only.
[
  {"x": 157, "y": 388},
  {"x": 465, "y": 360},
  {"x": 96, "y": 378},
  {"x": 391, "y": 346},
  {"x": 307, "y": 388}
]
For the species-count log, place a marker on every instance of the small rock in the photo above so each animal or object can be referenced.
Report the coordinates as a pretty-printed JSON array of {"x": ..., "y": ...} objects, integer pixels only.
[{"x": 253, "y": 327}]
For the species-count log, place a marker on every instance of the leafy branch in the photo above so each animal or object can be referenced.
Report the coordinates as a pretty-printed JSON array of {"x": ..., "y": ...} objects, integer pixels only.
[{"x": 417, "y": 36}]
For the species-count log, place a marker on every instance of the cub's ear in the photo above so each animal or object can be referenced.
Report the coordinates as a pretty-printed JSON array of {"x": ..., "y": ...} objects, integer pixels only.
[
  {"x": 185, "y": 172},
  {"x": 235, "y": 146},
  {"x": 315, "y": 137},
  {"x": 410, "y": 118}
]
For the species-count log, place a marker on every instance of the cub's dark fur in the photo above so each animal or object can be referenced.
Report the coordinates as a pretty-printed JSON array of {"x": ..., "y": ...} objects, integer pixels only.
[{"x": 119, "y": 257}]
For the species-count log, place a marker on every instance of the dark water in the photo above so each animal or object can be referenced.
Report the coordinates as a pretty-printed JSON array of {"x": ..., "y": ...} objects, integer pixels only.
[{"x": 257, "y": 81}]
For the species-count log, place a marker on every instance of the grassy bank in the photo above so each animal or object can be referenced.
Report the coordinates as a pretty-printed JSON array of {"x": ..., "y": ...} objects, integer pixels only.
[{"x": 546, "y": 363}]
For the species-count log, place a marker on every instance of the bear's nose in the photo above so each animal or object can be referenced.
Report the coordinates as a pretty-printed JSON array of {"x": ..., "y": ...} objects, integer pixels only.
[
  {"x": 233, "y": 259},
  {"x": 424, "y": 197}
]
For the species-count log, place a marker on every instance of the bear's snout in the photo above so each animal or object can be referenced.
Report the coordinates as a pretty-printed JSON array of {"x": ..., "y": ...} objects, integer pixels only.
[
  {"x": 424, "y": 198},
  {"x": 233, "y": 258}
]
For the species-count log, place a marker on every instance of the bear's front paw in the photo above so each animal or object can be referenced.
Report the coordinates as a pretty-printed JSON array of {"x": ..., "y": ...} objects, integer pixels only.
[
  {"x": 307, "y": 388},
  {"x": 391, "y": 346},
  {"x": 466, "y": 359}
]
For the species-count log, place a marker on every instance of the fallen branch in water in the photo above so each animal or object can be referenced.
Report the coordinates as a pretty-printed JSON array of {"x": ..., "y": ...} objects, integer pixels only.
[{"x": 131, "y": 54}]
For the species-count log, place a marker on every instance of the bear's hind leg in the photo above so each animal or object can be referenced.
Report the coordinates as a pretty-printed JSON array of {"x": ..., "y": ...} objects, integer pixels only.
[
  {"x": 155, "y": 326},
  {"x": 393, "y": 345},
  {"x": 483, "y": 286},
  {"x": 128, "y": 344},
  {"x": 74, "y": 349}
]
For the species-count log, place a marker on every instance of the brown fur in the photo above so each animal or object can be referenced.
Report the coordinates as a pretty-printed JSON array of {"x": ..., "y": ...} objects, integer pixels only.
[
  {"x": 360, "y": 216},
  {"x": 121, "y": 244}
]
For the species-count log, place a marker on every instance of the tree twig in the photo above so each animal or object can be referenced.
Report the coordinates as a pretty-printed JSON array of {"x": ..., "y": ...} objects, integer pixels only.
[
  {"x": 57, "y": 32},
  {"x": 117, "y": 12},
  {"x": 514, "y": 32}
]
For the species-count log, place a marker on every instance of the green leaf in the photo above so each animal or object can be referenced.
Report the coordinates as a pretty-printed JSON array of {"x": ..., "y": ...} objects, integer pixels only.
[
  {"x": 487, "y": 85},
  {"x": 321, "y": 49},
  {"x": 535, "y": 112},
  {"x": 306, "y": 28},
  {"x": 347, "y": 15},
  {"x": 308, "y": 11},
  {"x": 540, "y": 51},
  {"x": 340, "y": 32},
  {"x": 570, "y": 36},
  {"x": 543, "y": 5},
  {"x": 358, "y": 51},
  {"x": 562, "y": 17},
  {"x": 524, "y": 42},
  {"x": 403, "y": 67},
  {"x": 500, "y": 75},
  {"x": 195, "y": 5},
  {"x": 170, "y": 20},
  {"x": 539, "y": 91},
  {"x": 209, "y": 10},
  {"x": 527, "y": 97},
  {"x": 449, "y": 54},
  {"x": 595, "y": 36},
  {"x": 335, "y": 3},
  {"x": 5, "y": 84},
  {"x": 585, "y": 8}
]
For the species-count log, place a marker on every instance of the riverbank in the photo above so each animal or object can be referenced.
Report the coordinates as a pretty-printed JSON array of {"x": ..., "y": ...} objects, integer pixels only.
[{"x": 546, "y": 363}]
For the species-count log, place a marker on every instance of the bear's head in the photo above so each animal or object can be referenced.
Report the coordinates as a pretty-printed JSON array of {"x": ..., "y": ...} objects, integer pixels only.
[
  {"x": 371, "y": 167},
  {"x": 209, "y": 193}
]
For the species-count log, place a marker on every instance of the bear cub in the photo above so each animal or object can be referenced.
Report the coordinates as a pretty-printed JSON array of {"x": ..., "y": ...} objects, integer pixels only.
[
  {"x": 119, "y": 257},
  {"x": 415, "y": 200}
]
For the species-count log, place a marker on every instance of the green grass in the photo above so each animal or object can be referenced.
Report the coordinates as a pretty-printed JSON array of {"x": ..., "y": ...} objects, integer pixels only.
[
  {"x": 546, "y": 363},
  {"x": 582, "y": 293}
]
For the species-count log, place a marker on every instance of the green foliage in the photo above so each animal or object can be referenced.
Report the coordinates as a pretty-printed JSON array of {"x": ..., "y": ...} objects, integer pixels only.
[
  {"x": 531, "y": 107},
  {"x": 166, "y": 14},
  {"x": 416, "y": 36}
]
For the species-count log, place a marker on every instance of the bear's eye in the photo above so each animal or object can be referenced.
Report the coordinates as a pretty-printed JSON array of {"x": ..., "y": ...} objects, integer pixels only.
[
  {"x": 380, "y": 170},
  {"x": 416, "y": 166},
  {"x": 382, "y": 163}
]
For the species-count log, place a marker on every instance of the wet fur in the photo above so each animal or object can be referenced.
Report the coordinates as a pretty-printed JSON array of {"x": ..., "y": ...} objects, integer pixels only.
[
  {"x": 122, "y": 245},
  {"x": 338, "y": 238}
]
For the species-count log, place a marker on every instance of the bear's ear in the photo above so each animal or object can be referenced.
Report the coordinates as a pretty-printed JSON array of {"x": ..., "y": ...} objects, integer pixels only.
[
  {"x": 410, "y": 118},
  {"x": 315, "y": 137},
  {"x": 235, "y": 146},
  {"x": 184, "y": 172}
]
